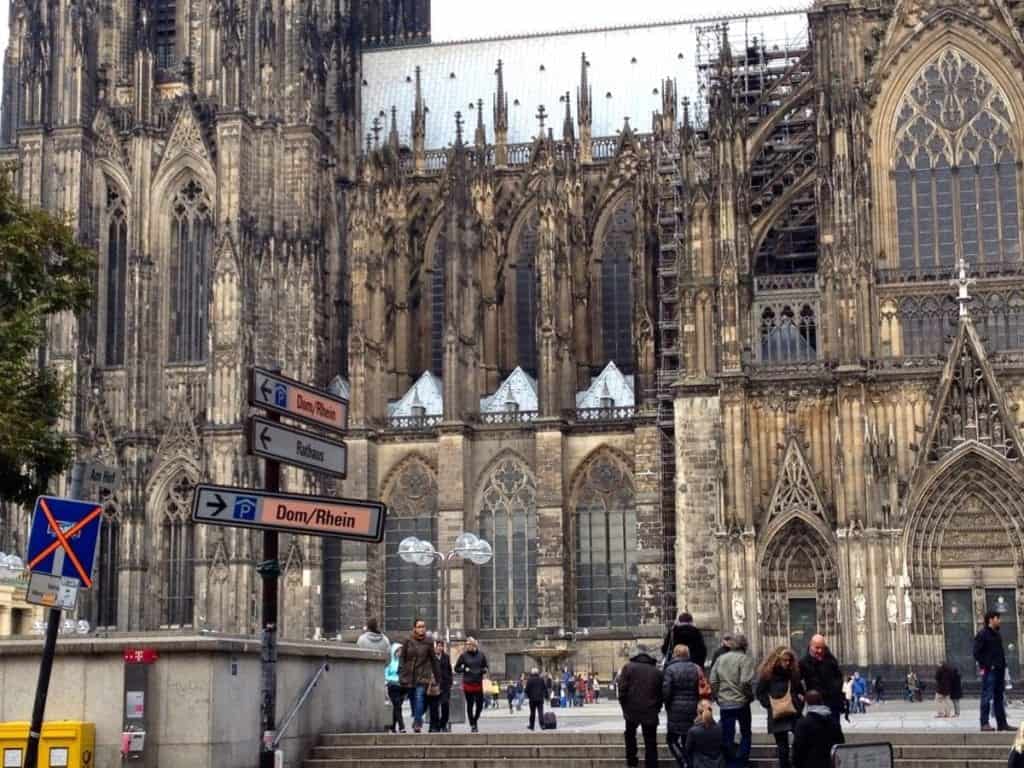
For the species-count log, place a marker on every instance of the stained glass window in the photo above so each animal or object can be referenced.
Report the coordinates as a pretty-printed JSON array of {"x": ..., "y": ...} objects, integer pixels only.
[
  {"x": 177, "y": 553},
  {"x": 526, "y": 293},
  {"x": 190, "y": 248},
  {"x": 116, "y": 278},
  {"x": 606, "y": 577},
  {"x": 164, "y": 29},
  {"x": 107, "y": 565},
  {"x": 437, "y": 284},
  {"x": 410, "y": 590},
  {"x": 955, "y": 174},
  {"x": 788, "y": 334},
  {"x": 508, "y": 520},
  {"x": 617, "y": 287}
]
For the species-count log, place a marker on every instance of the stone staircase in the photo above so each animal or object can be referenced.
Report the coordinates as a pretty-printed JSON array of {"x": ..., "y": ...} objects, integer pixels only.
[{"x": 605, "y": 750}]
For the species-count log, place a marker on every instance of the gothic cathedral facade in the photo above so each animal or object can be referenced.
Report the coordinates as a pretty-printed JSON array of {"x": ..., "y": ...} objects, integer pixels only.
[{"x": 676, "y": 316}]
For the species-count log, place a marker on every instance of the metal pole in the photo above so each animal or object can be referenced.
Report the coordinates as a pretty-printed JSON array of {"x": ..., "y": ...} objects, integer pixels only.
[
  {"x": 42, "y": 687},
  {"x": 269, "y": 569}
]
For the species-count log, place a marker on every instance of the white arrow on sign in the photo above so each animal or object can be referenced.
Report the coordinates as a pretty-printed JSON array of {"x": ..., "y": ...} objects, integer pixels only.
[{"x": 294, "y": 446}]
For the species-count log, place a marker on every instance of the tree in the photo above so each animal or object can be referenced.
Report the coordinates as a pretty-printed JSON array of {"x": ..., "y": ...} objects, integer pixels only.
[{"x": 43, "y": 271}]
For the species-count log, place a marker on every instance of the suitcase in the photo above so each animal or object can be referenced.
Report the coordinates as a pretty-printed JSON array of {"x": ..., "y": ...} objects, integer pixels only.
[
  {"x": 548, "y": 721},
  {"x": 555, "y": 701}
]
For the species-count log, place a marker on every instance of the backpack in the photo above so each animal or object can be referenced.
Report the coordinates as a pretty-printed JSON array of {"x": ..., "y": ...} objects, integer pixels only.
[{"x": 548, "y": 721}]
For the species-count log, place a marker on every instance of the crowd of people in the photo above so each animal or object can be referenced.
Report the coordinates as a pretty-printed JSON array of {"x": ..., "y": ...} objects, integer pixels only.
[{"x": 804, "y": 695}]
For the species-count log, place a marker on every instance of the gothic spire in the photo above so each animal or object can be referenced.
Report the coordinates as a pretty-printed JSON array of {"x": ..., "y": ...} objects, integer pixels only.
[
  {"x": 458, "y": 130},
  {"x": 480, "y": 137},
  {"x": 500, "y": 102},
  {"x": 584, "y": 94},
  {"x": 419, "y": 114},
  {"x": 393, "y": 133},
  {"x": 568, "y": 135}
]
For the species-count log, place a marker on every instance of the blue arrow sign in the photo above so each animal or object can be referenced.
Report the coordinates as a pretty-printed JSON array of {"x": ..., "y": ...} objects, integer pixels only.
[{"x": 64, "y": 537}]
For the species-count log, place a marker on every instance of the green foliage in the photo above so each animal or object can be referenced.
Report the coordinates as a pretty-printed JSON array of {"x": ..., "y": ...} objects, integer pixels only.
[{"x": 43, "y": 271}]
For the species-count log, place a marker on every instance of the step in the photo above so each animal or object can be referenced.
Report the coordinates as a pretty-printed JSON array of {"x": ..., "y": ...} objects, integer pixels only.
[{"x": 496, "y": 761}]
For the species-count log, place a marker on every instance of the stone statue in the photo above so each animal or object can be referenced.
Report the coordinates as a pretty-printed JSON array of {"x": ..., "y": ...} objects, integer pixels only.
[
  {"x": 860, "y": 604},
  {"x": 892, "y": 608},
  {"x": 739, "y": 610},
  {"x": 908, "y": 608}
]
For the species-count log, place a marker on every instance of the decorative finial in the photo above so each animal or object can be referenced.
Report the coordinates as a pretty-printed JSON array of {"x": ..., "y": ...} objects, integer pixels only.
[
  {"x": 961, "y": 282},
  {"x": 541, "y": 114},
  {"x": 458, "y": 127},
  {"x": 376, "y": 131}
]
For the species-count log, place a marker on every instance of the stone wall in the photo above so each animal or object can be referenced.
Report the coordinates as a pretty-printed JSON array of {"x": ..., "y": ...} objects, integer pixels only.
[{"x": 203, "y": 703}]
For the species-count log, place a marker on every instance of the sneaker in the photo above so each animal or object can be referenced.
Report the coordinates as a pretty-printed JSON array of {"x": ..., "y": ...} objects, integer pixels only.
[
  {"x": 986, "y": 727},
  {"x": 417, "y": 728}
]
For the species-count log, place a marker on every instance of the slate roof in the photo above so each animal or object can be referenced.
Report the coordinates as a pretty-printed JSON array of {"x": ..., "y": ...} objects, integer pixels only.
[
  {"x": 519, "y": 387},
  {"x": 426, "y": 392},
  {"x": 628, "y": 63},
  {"x": 609, "y": 383}
]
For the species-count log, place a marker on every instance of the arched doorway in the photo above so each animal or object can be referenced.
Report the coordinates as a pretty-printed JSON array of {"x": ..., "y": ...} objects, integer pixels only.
[
  {"x": 798, "y": 583},
  {"x": 964, "y": 546}
]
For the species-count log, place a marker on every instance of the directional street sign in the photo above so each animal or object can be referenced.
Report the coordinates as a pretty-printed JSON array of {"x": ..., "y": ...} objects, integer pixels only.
[
  {"x": 295, "y": 400},
  {"x": 64, "y": 537},
  {"x": 52, "y": 591},
  {"x": 294, "y": 446},
  {"x": 343, "y": 518}
]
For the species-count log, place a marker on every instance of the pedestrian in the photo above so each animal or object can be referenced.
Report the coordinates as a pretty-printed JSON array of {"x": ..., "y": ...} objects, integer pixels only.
[
  {"x": 780, "y": 692},
  {"x": 943, "y": 690},
  {"x": 684, "y": 632},
  {"x": 732, "y": 682},
  {"x": 510, "y": 694},
  {"x": 418, "y": 670},
  {"x": 373, "y": 639},
  {"x": 1016, "y": 759},
  {"x": 581, "y": 690},
  {"x": 820, "y": 672},
  {"x": 439, "y": 699},
  {"x": 640, "y": 699},
  {"x": 536, "y": 693},
  {"x": 988, "y": 652},
  {"x": 520, "y": 692},
  {"x": 859, "y": 687},
  {"x": 848, "y": 693},
  {"x": 815, "y": 733},
  {"x": 879, "y": 687},
  {"x": 957, "y": 692},
  {"x": 472, "y": 665},
  {"x": 680, "y": 691},
  {"x": 912, "y": 685},
  {"x": 396, "y": 693},
  {"x": 722, "y": 648},
  {"x": 704, "y": 740}
]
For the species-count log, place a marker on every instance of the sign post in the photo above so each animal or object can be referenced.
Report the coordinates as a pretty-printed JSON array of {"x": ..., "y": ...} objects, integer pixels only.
[
  {"x": 62, "y": 546},
  {"x": 269, "y": 569}
]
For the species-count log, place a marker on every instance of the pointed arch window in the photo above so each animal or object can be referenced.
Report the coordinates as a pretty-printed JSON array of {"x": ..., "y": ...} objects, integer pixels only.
[
  {"x": 191, "y": 240},
  {"x": 955, "y": 169},
  {"x": 525, "y": 292},
  {"x": 165, "y": 26},
  {"x": 437, "y": 279},
  {"x": 606, "y": 576},
  {"x": 617, "y": 286},
  {"x": 107, "y": 566},
  {"x": 789, "y": 334},
  {"x": 177, "y": 553},
  {"x": 410, "y": 590},
  {"x": 116, "y": 278},
  {"x": 508, "y": 519}
]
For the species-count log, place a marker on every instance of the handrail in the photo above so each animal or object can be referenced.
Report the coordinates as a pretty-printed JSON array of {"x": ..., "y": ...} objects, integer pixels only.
[{"x": 324, "y": 667}]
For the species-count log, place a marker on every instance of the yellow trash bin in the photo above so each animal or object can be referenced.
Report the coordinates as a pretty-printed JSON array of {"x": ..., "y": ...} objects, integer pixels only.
[{"x": 64, "y": 744}]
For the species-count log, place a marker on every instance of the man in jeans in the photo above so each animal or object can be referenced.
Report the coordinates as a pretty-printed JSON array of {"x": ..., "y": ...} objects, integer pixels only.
[
  {"x": 732, "y": 682},
  {"x": 988, "y": 652},
  {"x": 640, "y": 699},
  {"x": 536, "y": 693},
  {"x": 417, "y": 670}
]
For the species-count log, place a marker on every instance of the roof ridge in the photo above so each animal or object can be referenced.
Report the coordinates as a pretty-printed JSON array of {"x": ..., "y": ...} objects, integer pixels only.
[{"x": 715, "y": 17}]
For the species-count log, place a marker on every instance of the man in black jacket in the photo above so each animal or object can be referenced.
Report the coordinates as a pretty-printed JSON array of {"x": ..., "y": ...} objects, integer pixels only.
[
  {"x": 439, "y": 704},
  {"x": 536, "y": 693},
  {"x": 815, "y": 734},
  {"x": 988, "y": 652},
  {"x": 640, "y": 699},
  {"x": 820, "y": 671},
  {"x": 683, "y": 632}
]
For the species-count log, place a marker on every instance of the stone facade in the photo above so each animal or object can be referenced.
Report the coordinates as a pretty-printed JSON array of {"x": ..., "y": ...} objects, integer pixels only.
[{"x": 803, "y": 431}]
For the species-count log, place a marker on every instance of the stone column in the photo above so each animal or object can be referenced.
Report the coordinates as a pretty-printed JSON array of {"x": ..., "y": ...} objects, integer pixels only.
[
  {"x": 649, "y": 524},
  {"x": 554, "y": 551},
  {"x": 455, "y": 515}
]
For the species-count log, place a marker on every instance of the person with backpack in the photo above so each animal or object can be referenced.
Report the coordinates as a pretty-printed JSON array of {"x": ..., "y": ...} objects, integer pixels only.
[
  {"x": 780, "y": 692},
  {"x": 732, "y": 681},
  {"x": 680, "y": 692},
  {"x": 472, "y": 665},
  {"x": 859, "y": 687},
  {"x": 640, "y": 698},
  {"x": 815, "y": 734},
  {"x": 396, "y": 693},
  {"x": 704, "y": 740},
  {"x": 536, "y": 693},
  {"x": 684, "y": 632}
]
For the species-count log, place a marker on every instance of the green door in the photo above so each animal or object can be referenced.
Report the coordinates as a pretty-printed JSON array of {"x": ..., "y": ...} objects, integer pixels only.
[
  {"x": 1005, "y": 601},
  {"x": 958, "y": 627},
  {"x": 803, "y": 623}
]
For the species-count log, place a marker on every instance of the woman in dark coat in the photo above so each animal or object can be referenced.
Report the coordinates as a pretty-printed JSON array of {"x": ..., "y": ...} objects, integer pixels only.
[
  {"x": 680, "y": 690},
  {"x": 778, "y": 679}
]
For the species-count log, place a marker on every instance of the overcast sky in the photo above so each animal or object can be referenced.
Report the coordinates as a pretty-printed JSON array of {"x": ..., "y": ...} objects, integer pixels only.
[{"x": 459, "y": 19}]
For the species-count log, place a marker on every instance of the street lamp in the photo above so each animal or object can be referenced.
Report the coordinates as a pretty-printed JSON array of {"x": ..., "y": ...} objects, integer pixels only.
[{"x": 468, "y": 546}]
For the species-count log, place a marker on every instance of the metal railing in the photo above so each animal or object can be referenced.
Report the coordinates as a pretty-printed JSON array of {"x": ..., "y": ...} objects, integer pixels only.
[
  {"x": 805, "y": 281},
  {"x": 299, "y": 702}
]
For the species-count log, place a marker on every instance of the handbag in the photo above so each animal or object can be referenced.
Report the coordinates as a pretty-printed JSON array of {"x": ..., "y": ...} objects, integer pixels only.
[
  {"x": 703, "y": 686},
  {"x": 433, "y": 689},
  {"x": 783, "y": 705}
]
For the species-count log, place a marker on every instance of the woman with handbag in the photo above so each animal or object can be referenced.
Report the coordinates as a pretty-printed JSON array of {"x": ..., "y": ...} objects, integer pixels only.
[
  {"x": 780, "y": 693},
  {"x": 680, "y": 692}
]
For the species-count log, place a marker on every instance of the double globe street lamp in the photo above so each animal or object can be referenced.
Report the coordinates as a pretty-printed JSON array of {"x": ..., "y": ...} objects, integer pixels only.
[{"x": 468, "y": 546}]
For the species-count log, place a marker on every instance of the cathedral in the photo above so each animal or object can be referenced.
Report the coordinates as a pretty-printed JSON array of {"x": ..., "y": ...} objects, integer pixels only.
[{"x": 721, "y": 315}]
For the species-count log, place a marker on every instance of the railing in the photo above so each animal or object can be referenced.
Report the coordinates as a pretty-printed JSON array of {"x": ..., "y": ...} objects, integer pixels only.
[
  {"x": 604, "y": 148},
  {"x": 611, "y": 413},
  {"x": 807, "y": 281},
  {"x": 425, "y": 421},
  {"x": 948, "y": 272},
  {"x": 299, "y": 702},
  {"x": 507, "y": 417}
]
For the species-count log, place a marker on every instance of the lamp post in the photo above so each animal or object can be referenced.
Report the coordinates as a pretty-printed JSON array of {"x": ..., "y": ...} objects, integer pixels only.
[{"x": 468, "y": 546}]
